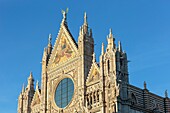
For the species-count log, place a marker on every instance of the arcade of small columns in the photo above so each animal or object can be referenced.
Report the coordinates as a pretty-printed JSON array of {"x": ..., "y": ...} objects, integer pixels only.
[{"x": 93, "y": 97}]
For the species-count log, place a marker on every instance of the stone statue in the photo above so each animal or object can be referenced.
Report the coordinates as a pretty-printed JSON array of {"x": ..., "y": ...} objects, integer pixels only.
[{"x": 64, "y": 13}]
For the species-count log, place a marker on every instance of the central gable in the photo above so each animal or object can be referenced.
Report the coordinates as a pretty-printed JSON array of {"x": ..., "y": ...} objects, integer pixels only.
[
  {"x": 65, "y": 47},
  {"x": 64, "y": 50}
]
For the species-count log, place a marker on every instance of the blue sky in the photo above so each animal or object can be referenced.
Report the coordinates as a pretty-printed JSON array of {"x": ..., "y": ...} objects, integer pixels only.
[{"x": 143, "y": 27}]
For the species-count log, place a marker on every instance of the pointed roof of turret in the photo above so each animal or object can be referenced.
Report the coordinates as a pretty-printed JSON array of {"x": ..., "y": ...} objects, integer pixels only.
[
  {"x": 85, "y": 18},
  {"x": 30, "y": 84},
  {"x": 166, "y": 93},
  {"x": 119, "y": 46},
  {"x": 44, "y": 58},
  {"x": 49, "y": 39},
  {"x": 30, "y": 77},
  {"x": 23, "y": 88},
  {"x": 144, "y": 84},
  {"x": 49, "y": 47},
  {"x": 102, "y": 51},
  {"x": 110, "y": 39},
  {"x": 110, "y": 33},
  {"x": 85, "y": 24},
  {"x": 37, "y": 85},
  {"x": 94, "y": 57}
]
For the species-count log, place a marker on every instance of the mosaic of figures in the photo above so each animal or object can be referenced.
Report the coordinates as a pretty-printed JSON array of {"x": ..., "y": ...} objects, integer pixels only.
[{"x": 64, "y": 51}]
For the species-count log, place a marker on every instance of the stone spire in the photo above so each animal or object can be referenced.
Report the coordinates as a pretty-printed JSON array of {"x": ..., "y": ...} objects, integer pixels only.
[
  {"x": 23, "y": 88},
  {"x": 119, "y": 46},
  {"x": 49, "y": 39},
  {"x": 85, "y": 19},
  {"x": 166, "y": 93},
  {"x": 37, "y": 85},
  {"x": 110, "y": 33},
  {"x": 49, "y": 47},
  {"x": 30, "y": 82},
  {"x": 110, "y": 39},
  {"x": 144, "y": 84},
  {"x": 30, "y": 78},
  {"x": 85, "y": 25},
  {"x": 102, "y": 52},
  {"x": 94, "y": 57}
]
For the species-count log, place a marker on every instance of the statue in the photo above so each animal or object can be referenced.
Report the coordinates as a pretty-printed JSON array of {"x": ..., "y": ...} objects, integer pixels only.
[{"x": 64, "y": 14}]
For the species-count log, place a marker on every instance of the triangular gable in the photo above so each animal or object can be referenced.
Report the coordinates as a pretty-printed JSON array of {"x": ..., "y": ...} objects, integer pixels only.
[
  {"x": 94, "y": 74},
  {"x": 65, "y": 47},
  {"x": 36, "y": 98}
]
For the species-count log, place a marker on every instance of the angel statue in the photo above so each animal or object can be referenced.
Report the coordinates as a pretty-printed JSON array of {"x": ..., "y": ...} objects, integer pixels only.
[{"x": 64, "y": 13}]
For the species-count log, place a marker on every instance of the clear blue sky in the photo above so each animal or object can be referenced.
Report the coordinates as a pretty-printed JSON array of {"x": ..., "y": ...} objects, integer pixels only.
[{"x": 143, "y": 26}]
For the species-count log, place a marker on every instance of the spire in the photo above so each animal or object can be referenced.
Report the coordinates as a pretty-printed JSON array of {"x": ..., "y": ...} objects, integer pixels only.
[
  {"x": 110, "y": 39},
  {"x": 94, "y": 57},
  {"x": 85, "y": 25},
  {"x": 119, "y": 46},
  {"x": 110, "y": 33},
  {"x": 49, "y": 48},
  {"x": 85, "y": 19},
  {"x": 30, "y": 82},
  {"x": 23, "y": 89},
  {"x": 166, "y": 93},
  {"x": 102, "y": 53},
  {"x": 44, "y": 55},
  {"x": 145, "y": 86},
  {"x": 30, "y": 77},
  {"x": 37, "y": 85},
  {"x": 49, "y": 39}
]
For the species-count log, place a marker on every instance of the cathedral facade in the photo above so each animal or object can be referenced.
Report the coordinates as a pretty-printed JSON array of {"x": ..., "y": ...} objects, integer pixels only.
[{"x": 73, "y": 82}]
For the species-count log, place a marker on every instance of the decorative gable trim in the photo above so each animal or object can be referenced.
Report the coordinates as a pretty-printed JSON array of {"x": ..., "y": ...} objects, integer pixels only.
[
  {"x": 94, "y": 74},
  {"x": 36, "y": 98}
]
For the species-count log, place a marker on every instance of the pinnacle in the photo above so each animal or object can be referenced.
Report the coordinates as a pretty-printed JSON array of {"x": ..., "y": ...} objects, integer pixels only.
[
  {"x": 23, "y": 88},
  {"x": 49, "y": 39},
  {"x": 145, "y": 86},
  {"x": 85, "y": 18},
  {"x": 110, "y": 33},
  {"x": 31, "y": 76},
  {"x": 119, "y": 46},
  {"x": 94, "y": 57},
  {"x": 102, "y": 49},
  {"x": 166, "y": 93},
  {"x": 37, "y": 85}
]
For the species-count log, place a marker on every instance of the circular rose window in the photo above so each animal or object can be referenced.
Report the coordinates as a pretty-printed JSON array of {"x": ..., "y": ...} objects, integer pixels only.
[{"x": 64, "y": 92}]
